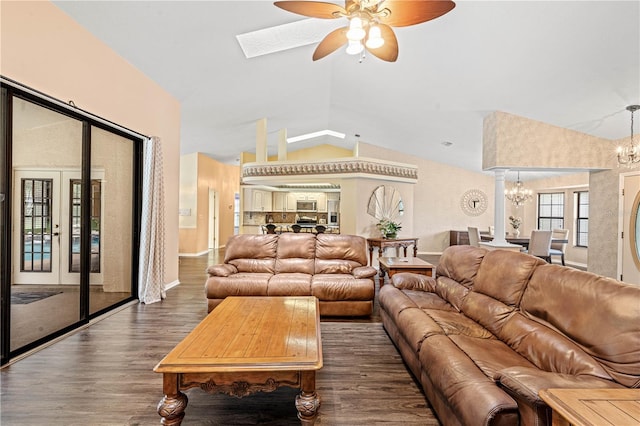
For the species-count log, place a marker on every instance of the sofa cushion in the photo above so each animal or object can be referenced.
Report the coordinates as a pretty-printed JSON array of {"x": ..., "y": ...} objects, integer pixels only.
[
  {"x": 341, "y": 287},
  {"x": 504, "y": 274},
  {"x": 240, "y": 284},
  {"x": 455, "y": 323},
  {"x": 490, "y": 355},
  {"x": 548, "y": 349},
  {"x": 460, "y": 263},
  {"x": 415, "y": 326},
  {"x": 252, "y": 253},
  {"x": 289, "y": 284},
  {"x": 339, "y": 253},
  {"x": 295, "y": 253},
  {"x": 599, "y": 314}
]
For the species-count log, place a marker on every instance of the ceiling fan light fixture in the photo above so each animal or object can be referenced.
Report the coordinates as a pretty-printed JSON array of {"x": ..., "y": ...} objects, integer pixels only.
[
  {"x": 356, "y": 31},
  {"x": 374, "y": 40},
  {"x": 354, "y": 47}
]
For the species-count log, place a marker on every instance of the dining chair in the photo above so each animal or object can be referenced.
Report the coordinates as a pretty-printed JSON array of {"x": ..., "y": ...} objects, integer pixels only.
[
  {"x": 540, "y": 244},
  {"x": 320, "y": 229},
  {"x": 271, "y": 228},
  {"x": 558, "y": 249},
  {"x": 296, "y": 228},
  {"x": 474, "y": 236}
]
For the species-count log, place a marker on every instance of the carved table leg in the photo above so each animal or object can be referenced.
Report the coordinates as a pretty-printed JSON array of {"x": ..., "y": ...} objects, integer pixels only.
[
  {"x": 171, "y": 406},
  {"x": 307, "y": 402}
]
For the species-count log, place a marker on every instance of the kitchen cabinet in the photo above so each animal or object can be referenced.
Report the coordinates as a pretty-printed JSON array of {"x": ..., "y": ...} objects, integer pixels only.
[
  {"x": 322, "y": 201},
  {"x": 284, "y": 202},
  {"x": 257, "y": 200}
]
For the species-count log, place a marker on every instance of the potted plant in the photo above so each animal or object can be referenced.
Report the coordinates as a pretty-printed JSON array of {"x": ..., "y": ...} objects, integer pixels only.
[
  {"x": 515, "y": 224},
  {"x": 388, "y": 228}
]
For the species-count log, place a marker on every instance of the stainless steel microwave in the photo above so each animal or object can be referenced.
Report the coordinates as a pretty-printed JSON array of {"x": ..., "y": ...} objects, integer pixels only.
[{"x": 307, "y": 205}]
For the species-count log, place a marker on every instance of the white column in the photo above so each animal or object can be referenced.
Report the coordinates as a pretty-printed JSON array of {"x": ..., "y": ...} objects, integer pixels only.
[
  {"x": 261, "y": 141},
  {"x": 282, "y": 145},
  {"x": 499, "y": 208}
]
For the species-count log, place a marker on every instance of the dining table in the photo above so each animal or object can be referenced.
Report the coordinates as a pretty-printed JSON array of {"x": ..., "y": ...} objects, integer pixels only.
[{"x": 520, "y": 240}]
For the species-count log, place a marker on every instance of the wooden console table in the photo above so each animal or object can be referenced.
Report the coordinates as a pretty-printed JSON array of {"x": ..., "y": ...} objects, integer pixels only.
[
  {"x": 383, "y": 243},
  {"x": 593, "y": 407}
]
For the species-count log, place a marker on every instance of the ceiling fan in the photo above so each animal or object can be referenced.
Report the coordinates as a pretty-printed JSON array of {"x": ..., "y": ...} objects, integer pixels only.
[{"x": 370, "y": 23}]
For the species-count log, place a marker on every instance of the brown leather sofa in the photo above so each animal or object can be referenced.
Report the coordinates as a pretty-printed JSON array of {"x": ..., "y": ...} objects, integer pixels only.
[
  {"x": 495, "y": 327},
  {"x": 332, "y": 267}
]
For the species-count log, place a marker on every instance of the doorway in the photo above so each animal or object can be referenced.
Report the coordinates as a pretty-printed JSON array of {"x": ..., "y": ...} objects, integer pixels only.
[{"x": 70, "y": 219}]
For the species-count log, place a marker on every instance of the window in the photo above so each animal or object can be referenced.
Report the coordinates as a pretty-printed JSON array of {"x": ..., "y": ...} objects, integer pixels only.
[
  {"x": 551, "y": 211},
  {"x": 582, "y": 218},
  {"x": 74, "y": 244}
]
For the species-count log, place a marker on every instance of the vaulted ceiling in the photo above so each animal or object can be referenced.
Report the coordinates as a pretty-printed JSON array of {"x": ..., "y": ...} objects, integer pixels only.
[{"x": 574, "y": 64}]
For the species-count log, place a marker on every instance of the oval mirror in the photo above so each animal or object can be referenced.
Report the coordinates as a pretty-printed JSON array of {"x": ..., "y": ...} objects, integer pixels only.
[
  {"x": 385, "y": 203},
  {"x": 634, "y": 228}
]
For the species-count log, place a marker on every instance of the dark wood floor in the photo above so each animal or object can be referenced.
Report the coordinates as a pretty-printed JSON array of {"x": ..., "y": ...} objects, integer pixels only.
[{"x": 102, "y": 375}]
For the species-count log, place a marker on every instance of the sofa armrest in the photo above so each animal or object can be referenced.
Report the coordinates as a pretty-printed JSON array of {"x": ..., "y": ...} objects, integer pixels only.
[
  {"x": 527, "y": 382},
  {"x": 364, "y": 272},
  {"x": 222, "y": 270},
  {"x": 411, "y": 281}
]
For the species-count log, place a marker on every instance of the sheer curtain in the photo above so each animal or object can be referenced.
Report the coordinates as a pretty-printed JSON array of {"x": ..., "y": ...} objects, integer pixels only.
[{"x": 151, "y": 286}]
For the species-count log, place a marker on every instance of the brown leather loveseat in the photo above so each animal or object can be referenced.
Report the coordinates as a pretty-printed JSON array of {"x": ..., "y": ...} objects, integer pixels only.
[
  {"x": 332, "y": 267},
  {"x": 496, "y": 327}
]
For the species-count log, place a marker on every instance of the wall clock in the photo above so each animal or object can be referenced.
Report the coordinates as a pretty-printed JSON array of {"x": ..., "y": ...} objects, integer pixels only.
[{"x": 474, "y": 202}]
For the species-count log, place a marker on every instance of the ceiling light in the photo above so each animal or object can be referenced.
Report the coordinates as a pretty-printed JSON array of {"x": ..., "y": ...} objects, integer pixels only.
[
  {"x": 356, "y": 32},
  {"x": 354, "y": 47},
  {"x": 629, "y": 155},
  {"x": 315, "y": 135},
  {"x": 374, "y": 39},
  {"x": 518, "y": 194}
]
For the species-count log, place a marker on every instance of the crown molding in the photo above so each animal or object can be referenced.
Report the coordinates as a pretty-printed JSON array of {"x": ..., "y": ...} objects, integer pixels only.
[{"x": 352, "y": 167}]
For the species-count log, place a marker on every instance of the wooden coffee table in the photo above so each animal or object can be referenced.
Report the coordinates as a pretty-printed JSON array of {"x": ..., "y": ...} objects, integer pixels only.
[
  {"x": 247, "y": 345},
  {"x": 593, "y": 407},
  {"x": 393, "y": 265}
]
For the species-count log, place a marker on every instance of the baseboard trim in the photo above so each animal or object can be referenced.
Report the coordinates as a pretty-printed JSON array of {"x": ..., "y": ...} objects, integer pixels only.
[
  {"x": 172, "y": 284},
  {"x": 193, "y": 254}
]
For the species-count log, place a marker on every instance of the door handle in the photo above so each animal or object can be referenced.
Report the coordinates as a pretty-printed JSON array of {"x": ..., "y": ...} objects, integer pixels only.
[{"x": 55, "y": 234}]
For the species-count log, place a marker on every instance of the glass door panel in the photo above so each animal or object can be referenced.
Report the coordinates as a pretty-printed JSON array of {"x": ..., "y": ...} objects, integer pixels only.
[
  {"x": 112, "y": 163},
  {"x": 46, "y": 146}
]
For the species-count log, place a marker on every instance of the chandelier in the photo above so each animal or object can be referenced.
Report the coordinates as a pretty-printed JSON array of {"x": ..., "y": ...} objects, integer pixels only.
[
  {"x": 629, "y": 155},
  {"x": 518, "y": 194}
]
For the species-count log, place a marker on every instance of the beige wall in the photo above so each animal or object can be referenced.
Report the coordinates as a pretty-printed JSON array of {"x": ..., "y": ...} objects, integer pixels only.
[
  {"x": 320, "y": 152},
  {"x": 434, "y": 207},
  {"x": 512, "y": 141},
  {"x": 209, "y": 174},
  {"x": 44, "y": 49}
]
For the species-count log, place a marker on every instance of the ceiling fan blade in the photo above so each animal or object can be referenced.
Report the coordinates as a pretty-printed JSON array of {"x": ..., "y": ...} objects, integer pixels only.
[
  {"x": 405, "y": 13},
  {"x": 331, "y": 43},
  {"x": 389, "y": 50},
  {"x": 313, "y": 9}
]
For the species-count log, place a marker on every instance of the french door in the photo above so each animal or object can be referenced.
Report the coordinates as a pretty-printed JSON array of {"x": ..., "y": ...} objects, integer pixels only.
[{"x": 47, "y": 245}]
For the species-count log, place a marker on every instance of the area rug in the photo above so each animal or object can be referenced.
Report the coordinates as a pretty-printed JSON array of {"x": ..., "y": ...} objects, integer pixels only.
[{"x": 26, "y": 297}]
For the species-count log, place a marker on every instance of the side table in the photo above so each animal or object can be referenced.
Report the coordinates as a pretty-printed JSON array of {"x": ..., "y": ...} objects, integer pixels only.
[
  {"x": 592, "y": 407},
  {"x": 394, "y": 265},
  {"x": 383, "y": 243}
]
